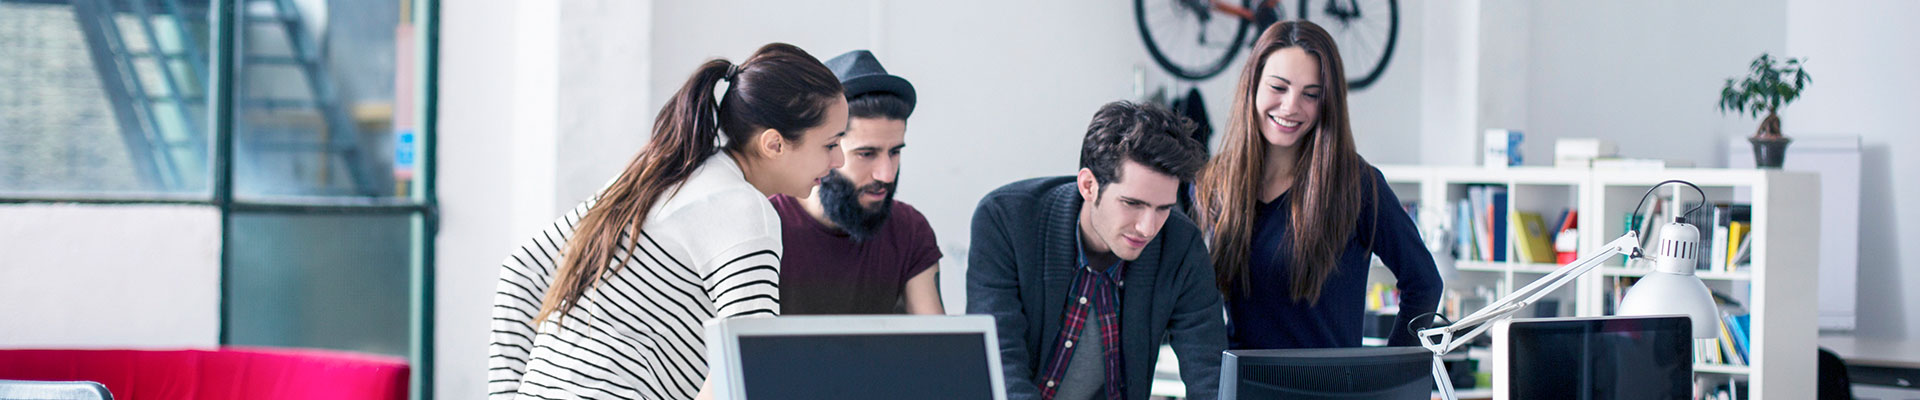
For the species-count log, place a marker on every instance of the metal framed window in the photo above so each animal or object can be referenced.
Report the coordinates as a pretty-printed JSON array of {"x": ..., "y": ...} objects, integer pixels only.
[{"x": 309, "y": 124}]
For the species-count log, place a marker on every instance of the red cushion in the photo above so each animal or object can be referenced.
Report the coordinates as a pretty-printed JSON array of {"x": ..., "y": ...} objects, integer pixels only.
[{"x": 227, "y": 373}]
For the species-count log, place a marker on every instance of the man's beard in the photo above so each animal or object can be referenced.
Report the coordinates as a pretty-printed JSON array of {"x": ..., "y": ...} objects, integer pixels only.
[{"x": 842, "y": 203}]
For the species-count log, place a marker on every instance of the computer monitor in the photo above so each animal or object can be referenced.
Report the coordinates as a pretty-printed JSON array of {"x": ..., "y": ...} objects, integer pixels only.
[
  {"x": 855, "y": 357},
  {"x": 1597, "y": 358},
  {"x": 1342, "y": 373}
]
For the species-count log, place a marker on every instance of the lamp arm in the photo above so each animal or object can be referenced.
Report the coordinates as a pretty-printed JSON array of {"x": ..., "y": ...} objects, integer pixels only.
[
  {"x": 1628, "y": 244},
  {"x": 1443, "y": 340}
]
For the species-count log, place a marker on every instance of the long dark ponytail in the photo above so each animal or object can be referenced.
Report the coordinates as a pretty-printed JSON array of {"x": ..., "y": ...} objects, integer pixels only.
[{"x": 779, "y": 87}]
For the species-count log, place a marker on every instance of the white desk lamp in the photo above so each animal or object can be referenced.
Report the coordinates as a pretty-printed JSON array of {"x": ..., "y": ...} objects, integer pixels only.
[{"x": 1670, "y": 288}]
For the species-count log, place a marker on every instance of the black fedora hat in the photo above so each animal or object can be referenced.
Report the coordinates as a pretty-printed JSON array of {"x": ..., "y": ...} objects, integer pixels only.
[{"x": 860, "y": 74}]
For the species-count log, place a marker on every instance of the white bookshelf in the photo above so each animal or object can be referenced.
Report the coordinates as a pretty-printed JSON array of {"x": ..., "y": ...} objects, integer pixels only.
[{"x": 1777, "y": 288}]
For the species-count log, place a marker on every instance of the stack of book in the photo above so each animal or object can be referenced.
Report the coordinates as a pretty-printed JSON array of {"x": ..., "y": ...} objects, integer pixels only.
[
  {"x": 1483, "y": 223},
  {"x": 1479, "y": 235},
  {"x": 1731, "y": 347},
  {"x": 1724, "y": 231},
  {"x": 1729, "y": 245}
]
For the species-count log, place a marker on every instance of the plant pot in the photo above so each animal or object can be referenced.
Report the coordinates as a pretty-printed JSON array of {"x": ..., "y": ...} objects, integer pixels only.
[{"x": 1769, "y": 152}]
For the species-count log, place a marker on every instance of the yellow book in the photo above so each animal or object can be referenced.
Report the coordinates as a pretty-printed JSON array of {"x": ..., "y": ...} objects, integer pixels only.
[
  {"x": 1373, "y": 297},
  {"x": 1536, "y": 244}
]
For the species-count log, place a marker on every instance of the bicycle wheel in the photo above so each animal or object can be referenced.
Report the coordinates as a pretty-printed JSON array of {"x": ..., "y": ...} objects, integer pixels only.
[
  {"x": 1187, "y": 38},
  {"x": 1365, "y": 30}
]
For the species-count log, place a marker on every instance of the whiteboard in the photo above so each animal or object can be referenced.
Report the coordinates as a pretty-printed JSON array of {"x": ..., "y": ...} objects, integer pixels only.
[{"x": 1837, "y": 159}]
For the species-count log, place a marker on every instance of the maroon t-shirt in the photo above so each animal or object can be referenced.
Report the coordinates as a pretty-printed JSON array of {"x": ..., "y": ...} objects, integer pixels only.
[{"x": 825, "y": 272}]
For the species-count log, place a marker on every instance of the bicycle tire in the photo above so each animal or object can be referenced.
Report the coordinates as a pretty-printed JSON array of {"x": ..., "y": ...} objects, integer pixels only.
[
  {"x": 1393, "y": 36},
  {"x": 1166, "y": 63}
]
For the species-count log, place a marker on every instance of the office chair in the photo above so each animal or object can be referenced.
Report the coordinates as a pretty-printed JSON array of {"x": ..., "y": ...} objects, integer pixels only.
[
  {"x": 1834, "y": 383},
  {"x": 46, "y": 390}
]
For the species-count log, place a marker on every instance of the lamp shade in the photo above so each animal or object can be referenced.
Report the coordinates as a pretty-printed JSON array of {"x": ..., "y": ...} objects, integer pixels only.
[{"x": 1672, "y": 288}]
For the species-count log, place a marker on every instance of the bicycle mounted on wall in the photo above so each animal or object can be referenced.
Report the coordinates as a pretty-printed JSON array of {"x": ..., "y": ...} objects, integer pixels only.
[{"x": 1196, "y": 39}]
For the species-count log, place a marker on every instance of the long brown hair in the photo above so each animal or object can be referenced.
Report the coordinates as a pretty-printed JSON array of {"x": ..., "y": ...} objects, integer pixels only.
[
  {"x": 1329, "y": 189},
  {"x": 779, "y": 87}
]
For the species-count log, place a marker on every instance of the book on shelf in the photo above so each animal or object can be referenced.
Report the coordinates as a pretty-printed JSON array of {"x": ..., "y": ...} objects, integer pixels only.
[
  {"x": 1480, "y": 224},
  {"x": 1743, "y": 256},
  {"x": 1465, "y": 233},
  {"x": 1497, "y": 221},
  {"x": 1729, "y": 227},
  {"x": 1727, "y": 349},
  {"x": 1737, "y": 236},
  {"x": 1535, "y": 241},
  {"x": 1485, "y": 204},
  {"x": 1739, "y": 325},
  {"x": 1701, "y": 217},
  {"x": 1566, "y": 241}
]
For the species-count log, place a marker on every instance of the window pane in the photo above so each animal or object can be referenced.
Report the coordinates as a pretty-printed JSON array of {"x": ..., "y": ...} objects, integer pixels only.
[
  {"x": 319, "y": 87},
  {"x": 103, "y": 96},
  {"x": 320, "y": 280}
]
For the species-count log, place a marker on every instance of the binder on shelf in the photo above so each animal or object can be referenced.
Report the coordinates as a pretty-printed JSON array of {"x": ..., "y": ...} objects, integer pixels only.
[{"x": 1536, "y": 243}]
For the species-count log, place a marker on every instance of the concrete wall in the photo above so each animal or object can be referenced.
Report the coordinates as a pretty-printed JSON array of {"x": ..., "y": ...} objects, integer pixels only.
[{"x": 114, "y": 276}]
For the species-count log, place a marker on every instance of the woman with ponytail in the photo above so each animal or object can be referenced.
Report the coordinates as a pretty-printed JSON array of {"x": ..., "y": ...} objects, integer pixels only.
[
  {"x": 1295, "y": 215},
  {"x": 610, "y": 301}
]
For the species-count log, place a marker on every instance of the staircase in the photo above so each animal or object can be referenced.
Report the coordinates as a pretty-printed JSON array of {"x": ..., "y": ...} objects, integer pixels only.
[{"x": 288, "y": 142}]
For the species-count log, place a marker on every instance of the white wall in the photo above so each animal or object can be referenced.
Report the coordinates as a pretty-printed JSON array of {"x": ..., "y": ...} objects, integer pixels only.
[
  {"x": 474, "y": 144},
  {"x": 119, "y": 276},
  {"x": 540, "y": 104},
  {"x": 1645, "y": 74},
  {"x": 1003, "y": 95},
  {"x": 1860, "y": 54}
]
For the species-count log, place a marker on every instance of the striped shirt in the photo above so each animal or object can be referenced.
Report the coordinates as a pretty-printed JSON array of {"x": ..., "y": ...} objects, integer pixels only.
[{"x": 711, "y": 249}]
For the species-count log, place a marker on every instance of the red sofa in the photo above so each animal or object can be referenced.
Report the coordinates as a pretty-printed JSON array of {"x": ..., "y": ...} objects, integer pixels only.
[{"x": 220, "y": 374}]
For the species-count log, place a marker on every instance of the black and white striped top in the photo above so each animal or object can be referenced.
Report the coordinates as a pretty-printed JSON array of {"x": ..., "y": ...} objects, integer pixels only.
[{"x": 710, "y": 250}]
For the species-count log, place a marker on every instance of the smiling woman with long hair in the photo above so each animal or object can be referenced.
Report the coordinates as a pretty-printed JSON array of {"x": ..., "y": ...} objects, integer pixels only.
[
  {"x": 610, "y": 301},
  {"x": 1295, "y": 214}
]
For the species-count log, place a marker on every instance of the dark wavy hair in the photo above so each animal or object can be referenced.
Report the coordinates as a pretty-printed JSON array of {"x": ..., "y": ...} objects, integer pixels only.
[{"x": 1145, "y": 133}]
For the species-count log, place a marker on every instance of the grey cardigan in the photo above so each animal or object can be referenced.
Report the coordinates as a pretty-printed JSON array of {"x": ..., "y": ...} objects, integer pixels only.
[{"x": 1022, "y": 263}]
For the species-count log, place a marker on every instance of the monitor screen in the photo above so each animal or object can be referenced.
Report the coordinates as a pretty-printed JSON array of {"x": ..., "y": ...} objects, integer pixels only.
[
  {"x": 1343, "y": 373},
  {"x": 1600, "y": 358},
  {"x": 867, "y": 366}
]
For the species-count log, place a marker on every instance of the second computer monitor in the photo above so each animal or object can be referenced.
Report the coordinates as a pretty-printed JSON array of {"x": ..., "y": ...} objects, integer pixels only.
[
  {"x": 1599, "y": 358},
  {"x": 1389, "y": 373}
]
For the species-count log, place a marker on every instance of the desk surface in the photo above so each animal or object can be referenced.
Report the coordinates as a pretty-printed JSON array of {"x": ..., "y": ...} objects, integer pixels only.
[{"x": 1891, "y": 353}]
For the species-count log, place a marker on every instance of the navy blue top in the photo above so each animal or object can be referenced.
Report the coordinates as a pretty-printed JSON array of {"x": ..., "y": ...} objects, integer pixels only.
[{"x": 1267, "y": 317}]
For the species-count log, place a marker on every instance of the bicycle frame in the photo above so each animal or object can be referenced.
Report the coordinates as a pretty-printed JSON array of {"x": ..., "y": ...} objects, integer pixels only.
[{"x": 1241, "y": 12}]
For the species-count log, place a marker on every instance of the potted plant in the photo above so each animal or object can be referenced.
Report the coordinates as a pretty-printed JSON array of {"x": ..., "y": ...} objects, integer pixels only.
[{"x": 1768, "y": 87}]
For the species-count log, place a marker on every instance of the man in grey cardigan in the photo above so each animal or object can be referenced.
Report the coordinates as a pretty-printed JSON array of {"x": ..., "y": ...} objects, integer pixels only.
[{"x": 1087, "y": 275}]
